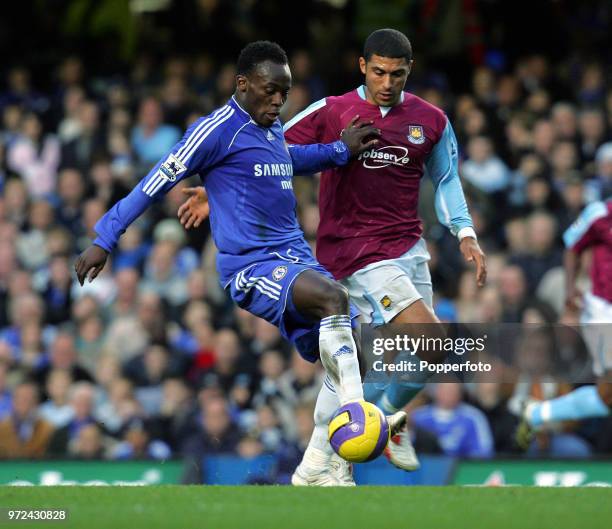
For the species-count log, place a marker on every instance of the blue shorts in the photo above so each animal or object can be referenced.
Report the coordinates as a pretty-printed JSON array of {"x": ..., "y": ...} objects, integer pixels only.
[{"x": 264, "y": 289}]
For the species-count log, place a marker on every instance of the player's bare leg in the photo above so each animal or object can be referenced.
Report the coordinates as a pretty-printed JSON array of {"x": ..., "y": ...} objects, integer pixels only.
[
  {"x": 318, "y": 297},
  {"x": 400, "y": 450},
  {"x": 321, "y": 299}
]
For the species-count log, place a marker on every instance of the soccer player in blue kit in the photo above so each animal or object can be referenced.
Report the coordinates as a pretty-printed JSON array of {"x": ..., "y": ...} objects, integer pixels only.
[{"x": 241, "y": 156}]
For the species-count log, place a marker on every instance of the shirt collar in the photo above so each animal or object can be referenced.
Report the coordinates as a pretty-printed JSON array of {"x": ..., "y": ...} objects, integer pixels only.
[
  {"x": 239, "y": 110},
  {"x": 362, "y": 93},
  {"x": 246, "y": 117}
]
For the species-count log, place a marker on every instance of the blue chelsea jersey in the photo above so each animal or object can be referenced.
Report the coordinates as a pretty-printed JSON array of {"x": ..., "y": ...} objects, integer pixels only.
[{"x": 248, "y": 173}]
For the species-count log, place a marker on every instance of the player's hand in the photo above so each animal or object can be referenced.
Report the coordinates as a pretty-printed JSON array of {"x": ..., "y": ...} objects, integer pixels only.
[
  {"x": 359, "y": 136},
  {"x": 472, "y": 253},
  {"x": 92, "y": 259},
  {"x": 195, "y": 209},
  {"x": 573, "y": 300}
]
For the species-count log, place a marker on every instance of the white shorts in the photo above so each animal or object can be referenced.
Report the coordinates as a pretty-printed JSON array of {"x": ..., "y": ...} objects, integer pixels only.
[
  {"x": 597, "y": 331},
  {"x": 382, "y": 290}
]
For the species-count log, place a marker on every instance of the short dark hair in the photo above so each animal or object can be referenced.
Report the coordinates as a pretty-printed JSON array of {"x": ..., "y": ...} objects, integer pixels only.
[
  {"x": 257, "y": 52},
  {"x": 387, "y": 43}
]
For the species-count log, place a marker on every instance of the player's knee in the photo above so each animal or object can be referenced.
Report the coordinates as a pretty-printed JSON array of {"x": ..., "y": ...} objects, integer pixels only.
[
  {"x": 605, "y": 392},
  {"x": 334, "y": 300}
]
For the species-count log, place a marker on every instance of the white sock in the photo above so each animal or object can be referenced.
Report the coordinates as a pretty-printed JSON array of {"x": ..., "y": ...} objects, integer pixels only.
[
  {"x": 317, "y": 454},
  {"x": 339, "y": 357}
]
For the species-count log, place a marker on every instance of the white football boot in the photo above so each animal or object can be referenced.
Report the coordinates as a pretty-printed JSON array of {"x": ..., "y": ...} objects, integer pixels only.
[
  {"x": 397, "y": 421},
  {"x": 400, "y": 450},
  {"x": 321, "y": 478},
  {"x": 342, "y": 470}
]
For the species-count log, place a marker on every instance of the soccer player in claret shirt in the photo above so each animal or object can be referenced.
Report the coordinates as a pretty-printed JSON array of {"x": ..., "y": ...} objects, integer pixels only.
[
  {"x": 369, "y": 236},
  {"x": 240, "y": 153},
  {"x": 592, "y": 231}
]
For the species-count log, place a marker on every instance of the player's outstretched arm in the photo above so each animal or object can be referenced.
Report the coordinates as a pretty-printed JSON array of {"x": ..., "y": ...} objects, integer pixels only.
[
  {"x": 187, "y": 157},
  {"x": 355, "y": 138},
  {"x": 451, "y": 207}
]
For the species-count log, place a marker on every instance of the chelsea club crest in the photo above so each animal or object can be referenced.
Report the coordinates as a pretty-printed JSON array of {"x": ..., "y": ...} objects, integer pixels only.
[{"x": 279, "y": 272}]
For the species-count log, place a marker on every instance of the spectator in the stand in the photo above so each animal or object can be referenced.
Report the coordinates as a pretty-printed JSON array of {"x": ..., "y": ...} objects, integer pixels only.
[
  {"x": 565, "y": 121},
  {"x": 32, "y": 353},
  {"x": 137, "y": 443},
  {"x": 216, "y": 435},
  {"x": 89, "y": 444},
  {"x": 35, "y": 156},
  {"x": 489, "y": 398},
  {"x": 129, "y": 336},
  {"x": 302, "y": 73},
  {"x": 543, "y": 137},
  {"x": 20, "y": 91},
  {"x": 175, "y": 420},
  {"x": 126, "y": 301},
  {"x": 11, "y": 123},
  {"x": 462, "y": 430},
  {"x": 301, "y": 383},
  {"x": 162, "y": 275},
  {"x": 63, "y": 355},
  {"x": 513, "y": 292},
  {"x": 271, "y": 367},
  {"x": 90, "y": 341},
  {"x": 90, "y": 141},
  {"x": 592, "y": 85},
  {"x": 82, "y": 399},
  {"x": 225, "y": 84},
  {"x": 70, "y": 125},
  {"x": 31, "y": 244},
  {"x": 149, "y": 369},
  {"x": 266, "y": 336},
  {"x": 23, "y": 434},
  {"x": 543, "y": 252},
  {"x": 115, "y": 406},
  {"x": 71, "y": 191},
  {"x": 541, "y": 195},
  {"x": 106, "y": 187},
  {"x": 229, "y": 371},
  {"x": 152, "y": 138},
  {"x": 176, "y": 101},
  {"x": 484, "y": 169},
  {"x": 56, "y": 409},
  {"x": 15, "y": 205},
  {"x": 57, "y": 293},
  {"x": 26, "y": 308},
  {"x": 563, "y": 162}
]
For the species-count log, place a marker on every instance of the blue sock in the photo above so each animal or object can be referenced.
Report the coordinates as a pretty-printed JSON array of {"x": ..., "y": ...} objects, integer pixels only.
[
  {"x": 372, "y": 391},
  {"x": 581, "y": 403},
  {"x": 397, "y": 395}
]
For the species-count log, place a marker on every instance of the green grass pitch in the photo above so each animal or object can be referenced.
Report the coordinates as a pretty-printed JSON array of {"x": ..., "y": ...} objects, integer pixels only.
[{"x": 274, "y": 507}]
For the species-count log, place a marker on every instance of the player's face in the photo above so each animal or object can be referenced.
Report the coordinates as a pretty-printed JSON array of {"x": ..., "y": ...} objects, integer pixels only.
[
  {"x": 264, "y": 91},
  {"x": 385, "y": 79}
]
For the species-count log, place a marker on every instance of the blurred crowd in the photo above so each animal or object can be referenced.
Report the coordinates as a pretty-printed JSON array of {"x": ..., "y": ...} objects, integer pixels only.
[{"x": 152, "y": 360}]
